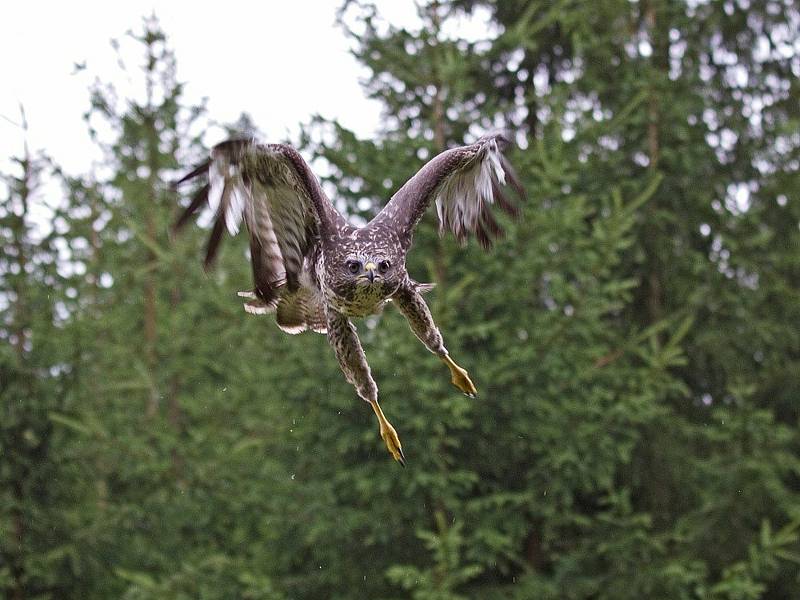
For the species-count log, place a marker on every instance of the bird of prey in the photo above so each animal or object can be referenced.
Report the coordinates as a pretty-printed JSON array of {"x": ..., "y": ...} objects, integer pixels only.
[{"x": 315, "y": 271}]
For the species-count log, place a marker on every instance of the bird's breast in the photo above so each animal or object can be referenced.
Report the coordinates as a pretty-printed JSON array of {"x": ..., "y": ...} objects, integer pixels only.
[{"x": 360, "y": 301}]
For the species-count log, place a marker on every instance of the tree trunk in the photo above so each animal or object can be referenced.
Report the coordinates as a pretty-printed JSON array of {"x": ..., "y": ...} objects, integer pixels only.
[
  {"x": 20, "y": 327},
  {"x": 150, "y": 286},
  {"x": 654, "y": 299}
]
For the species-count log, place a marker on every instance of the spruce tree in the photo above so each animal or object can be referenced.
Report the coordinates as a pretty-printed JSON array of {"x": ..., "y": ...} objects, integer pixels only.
[
  {"x": 38, "y": 486},
  {"x": 707, "y": 91},
  {"x": 498, "y": 485},
  {"x": 635, "y": 434},
  {"x": 176, "y": 390}
]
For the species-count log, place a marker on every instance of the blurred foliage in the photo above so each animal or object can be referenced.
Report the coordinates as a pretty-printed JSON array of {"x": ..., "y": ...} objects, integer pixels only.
[{"x": 633, "y": 338}]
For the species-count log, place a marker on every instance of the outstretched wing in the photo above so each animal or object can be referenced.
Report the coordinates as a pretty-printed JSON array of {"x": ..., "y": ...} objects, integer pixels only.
[
  {"x": 273, "y": 190},
  {"x": 466, "y": 183}
]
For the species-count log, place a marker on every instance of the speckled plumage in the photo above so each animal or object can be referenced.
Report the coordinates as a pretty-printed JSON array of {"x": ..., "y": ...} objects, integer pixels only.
[{"x": 315, "y": 271}]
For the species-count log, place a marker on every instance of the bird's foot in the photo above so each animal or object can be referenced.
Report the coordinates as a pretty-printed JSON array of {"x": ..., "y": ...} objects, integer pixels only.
[
  {"x": 460, "y": 378},
  {"x": 392, "y": 441},
  {"x": 389, "y": 435}
]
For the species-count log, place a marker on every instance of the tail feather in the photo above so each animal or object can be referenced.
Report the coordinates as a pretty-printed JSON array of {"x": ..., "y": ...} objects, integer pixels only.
[
  {"x": 291, "y": 313},
  {"x": 295, "y": 312},
  {"x": 256, "y": 305}
]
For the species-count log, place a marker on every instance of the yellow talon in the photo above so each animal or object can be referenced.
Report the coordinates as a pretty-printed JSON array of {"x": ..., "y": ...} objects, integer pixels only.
[
  {"x": 459, "y": 377},
  {"x": 389, "y": 435}
]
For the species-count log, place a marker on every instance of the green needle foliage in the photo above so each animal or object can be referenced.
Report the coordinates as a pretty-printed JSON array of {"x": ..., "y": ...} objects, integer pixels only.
[{"x": 633, "y": 338}]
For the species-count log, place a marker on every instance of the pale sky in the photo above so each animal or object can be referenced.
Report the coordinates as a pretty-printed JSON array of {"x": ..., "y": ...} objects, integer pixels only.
[{"x": 279, "y": 61}]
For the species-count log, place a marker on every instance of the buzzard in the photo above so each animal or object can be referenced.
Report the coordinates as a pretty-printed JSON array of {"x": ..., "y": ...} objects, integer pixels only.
[{"x": 315, "y": 271}]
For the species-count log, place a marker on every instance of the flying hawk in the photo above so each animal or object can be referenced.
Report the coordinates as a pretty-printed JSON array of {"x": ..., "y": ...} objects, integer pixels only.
[{"x": 315, "y": 271}]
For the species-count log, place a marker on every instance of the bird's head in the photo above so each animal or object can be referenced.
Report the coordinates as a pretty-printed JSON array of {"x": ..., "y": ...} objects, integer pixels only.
[
  {"x": 365, "y": 262},
  {"x": 375, "y": 269}
]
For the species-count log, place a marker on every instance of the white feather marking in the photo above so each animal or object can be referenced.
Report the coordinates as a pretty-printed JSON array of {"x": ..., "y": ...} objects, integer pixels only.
[
  {"x": 257, "y": 307},
  {"x": 220, "y": 173},
  {"x": 460, "y": 200},
  {"x": 292, "y": 329},
  {"x": 236, "y": 206},
  {"x": 247, "y": 294},
  {"x": 494, "y": 158},
  {"x": 440, "y": 208},
  {"x": 216, "y": 178}
]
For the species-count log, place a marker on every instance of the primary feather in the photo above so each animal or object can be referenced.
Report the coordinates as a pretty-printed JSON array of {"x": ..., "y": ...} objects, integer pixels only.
[
  {"x": 465, "y": 183},
  {"x": 271, "y": 189}
]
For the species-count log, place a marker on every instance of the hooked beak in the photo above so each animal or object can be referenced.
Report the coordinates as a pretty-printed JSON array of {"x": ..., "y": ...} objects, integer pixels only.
[{"x": 370, "y": 269}]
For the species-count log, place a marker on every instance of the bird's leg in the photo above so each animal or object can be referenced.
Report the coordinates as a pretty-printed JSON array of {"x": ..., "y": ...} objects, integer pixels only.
[
  {"x": 413, "y": 307},
  {"x": 353, "y": 362},
  {"x": 459, "y": 377}
]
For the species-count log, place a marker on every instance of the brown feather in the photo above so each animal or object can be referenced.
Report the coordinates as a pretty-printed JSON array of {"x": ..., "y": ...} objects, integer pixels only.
[
  {"x": 491, "y": 223},
  {"x": 261, "y": 272},
  {"x": 483, "y": 237},
  {"x": 299, "y": 311},
  {"x": 291, "y": 313},
  {"x": 198, "y": 170},
  {"x": 502, "y": 201},
  {"x": 197, "y": 200},
  {"x": 456, "y": 180},
  {"x": 274, "y": 192},
  {"x": 213, "y": 242},
  {"x": 219, "y": 225},
  {"x": 512, "y": 179}
]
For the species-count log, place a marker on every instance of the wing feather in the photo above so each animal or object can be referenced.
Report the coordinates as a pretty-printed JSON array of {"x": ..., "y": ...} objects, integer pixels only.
[
  {"x": 272, "y": 190},
  {"x": 200, "y": 198},
  {"x": 465, "y": 183}
]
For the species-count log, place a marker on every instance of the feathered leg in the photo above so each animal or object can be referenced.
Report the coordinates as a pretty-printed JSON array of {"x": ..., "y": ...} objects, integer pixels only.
[
  {"x": 353, "y": 362},
  {"x": 413, "y": 307}
]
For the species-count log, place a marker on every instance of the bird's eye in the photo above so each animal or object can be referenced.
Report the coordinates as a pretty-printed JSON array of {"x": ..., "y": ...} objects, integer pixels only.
[
  {"x": 353, "y": 266},
  {"x": 384, "y": 265}
]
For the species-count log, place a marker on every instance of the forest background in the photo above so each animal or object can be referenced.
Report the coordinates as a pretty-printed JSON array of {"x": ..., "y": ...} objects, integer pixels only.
[{"x": 634, "y": 337}]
